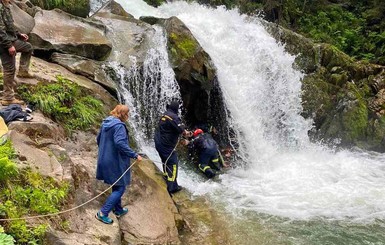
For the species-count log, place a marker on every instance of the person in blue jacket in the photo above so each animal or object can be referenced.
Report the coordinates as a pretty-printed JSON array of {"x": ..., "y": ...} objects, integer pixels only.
[
  {"x": 166, "y": 138},
  {"x": 113, "y": 160}
]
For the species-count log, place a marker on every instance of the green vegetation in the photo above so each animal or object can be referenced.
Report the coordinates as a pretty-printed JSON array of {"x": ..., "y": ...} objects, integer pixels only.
[
  {"x": 66, "y": 103},
  {"x": 355, "y": 27},
  {"x": 25, "y": 193},
  {"x": 355, "y": 119},
  {"x": 6, "y": 239},
  {"x": 75, "y": 7},
  {"x": 182, "y": 46}
]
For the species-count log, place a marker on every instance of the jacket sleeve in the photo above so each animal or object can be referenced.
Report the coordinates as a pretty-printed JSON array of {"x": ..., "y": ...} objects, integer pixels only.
[
  {"x": 4, "y": 41},
  {"x": 197, "y": 142},
  {"x": 121, "y": 141},
  {"x": 177, "y": 125}
]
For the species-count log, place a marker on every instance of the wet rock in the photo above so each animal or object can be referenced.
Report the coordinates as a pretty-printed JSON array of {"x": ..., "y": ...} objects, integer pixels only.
[{"x": 58, "y": 31}]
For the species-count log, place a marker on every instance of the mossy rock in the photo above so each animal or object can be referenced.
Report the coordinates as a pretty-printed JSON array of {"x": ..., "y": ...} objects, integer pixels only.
[
  {"x": 182, "y": 46},
  {"x": 194, "y": 70},
  {"x": 155, "y": 3},
  {"x": 332, "y": 56},
  {"x": 316, "y": 98},
  {"x": 349, "y": 120}
]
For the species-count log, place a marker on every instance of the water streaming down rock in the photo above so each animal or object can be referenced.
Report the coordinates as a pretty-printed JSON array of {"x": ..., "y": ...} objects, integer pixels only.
[
  {"x": 96, "y": 5},
  {"x": 148, "y": 87},
  {"x": 286, "y": 175}
]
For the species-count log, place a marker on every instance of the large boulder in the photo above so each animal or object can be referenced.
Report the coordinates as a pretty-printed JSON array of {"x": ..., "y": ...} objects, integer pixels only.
[
  {"x": 94, "y": 70},
  {"x": 115, "y": 8},
  {"x": 24, "y": 22},
  {"x": 48, "y": 72},
  {"x": 130, "y": 37},
  {"x": 153, "y": 216},
  {"x": 58, "y": 31},
  {"x": 35, "y": 156},
  {"x": 342, "y": 96}
]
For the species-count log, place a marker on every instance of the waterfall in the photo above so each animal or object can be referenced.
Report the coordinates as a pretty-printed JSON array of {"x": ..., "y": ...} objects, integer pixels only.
[
  {"x": 149, "y": 88},
  {"x": 286, "y": 175}
]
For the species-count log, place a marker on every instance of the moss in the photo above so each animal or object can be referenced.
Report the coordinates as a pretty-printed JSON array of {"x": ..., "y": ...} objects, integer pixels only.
[
  {"x": 339, "y": 79},
  {"x": 355, "y": 118},
  {"x": 365, "y": 89},
  {"x": 376, "y": 132},
  {"x": 331, "y": 56},
  {"x": 66, "y": 103},
  {"x": 317, "y": 98},
  {"x": 182, "y": 46}
]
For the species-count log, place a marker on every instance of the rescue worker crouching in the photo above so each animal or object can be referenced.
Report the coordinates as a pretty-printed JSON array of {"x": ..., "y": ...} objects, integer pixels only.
[
  {"x": 207, "y": 149},
  {"x": 166, "y": 138}
]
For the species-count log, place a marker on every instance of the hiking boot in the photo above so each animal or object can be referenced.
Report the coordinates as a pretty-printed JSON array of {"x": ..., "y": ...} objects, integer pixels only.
[
  {"x": 209, "y": 173},
  {"x": 25, "y": 74},
  {"x": 105, "y": 219},
  {"x": 10, "y": 102},
  {"x": 179, "y": 188},
  {"x": 120, "y": 213}
]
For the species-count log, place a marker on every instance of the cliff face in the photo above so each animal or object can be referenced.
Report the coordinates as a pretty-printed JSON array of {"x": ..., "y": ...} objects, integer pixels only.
[{"x": 345, "y": 98}]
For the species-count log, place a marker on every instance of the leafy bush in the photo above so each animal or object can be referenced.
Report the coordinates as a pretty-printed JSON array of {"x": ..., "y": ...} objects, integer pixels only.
[
  {"x": 27, "y": 193},
  {"x": 65, "y": 102},
  {"x": 8, "y": 168},
  {"x": 339, "y": 27},
  {"x": 6, "y": 239}
]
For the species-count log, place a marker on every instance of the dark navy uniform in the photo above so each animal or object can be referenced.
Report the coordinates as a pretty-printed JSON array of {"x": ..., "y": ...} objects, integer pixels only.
[
  {"x": 166, "y": 138},
  {"x": 207, "y": 150}
]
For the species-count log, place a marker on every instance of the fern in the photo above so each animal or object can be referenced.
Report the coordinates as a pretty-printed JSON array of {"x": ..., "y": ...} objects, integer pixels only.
[
  {"x": 65, "y": 102},
  {"x": 6, "y": 239},
  {"x": 8, "y": 169}
]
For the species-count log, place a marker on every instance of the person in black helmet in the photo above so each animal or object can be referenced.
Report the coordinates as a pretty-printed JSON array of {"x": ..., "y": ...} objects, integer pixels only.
[{"x": 169, "y": 129}]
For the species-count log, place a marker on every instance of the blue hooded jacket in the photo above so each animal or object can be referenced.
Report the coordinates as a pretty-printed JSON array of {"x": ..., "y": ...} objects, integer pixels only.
[{"x": 114, "y": 152}]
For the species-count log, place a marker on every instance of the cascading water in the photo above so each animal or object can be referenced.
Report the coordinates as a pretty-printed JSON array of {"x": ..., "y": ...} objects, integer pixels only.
[
  {"x": 331, "y": 194},
  {"x": 96, "y": 4},
  {"x": 148, "y": 90}
]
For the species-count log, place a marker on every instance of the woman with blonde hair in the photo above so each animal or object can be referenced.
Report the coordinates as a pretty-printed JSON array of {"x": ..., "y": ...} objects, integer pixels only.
[{"x": 113, "y": 160}]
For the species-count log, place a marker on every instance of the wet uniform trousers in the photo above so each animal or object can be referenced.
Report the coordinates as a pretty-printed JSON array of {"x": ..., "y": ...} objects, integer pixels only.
[
  {"x": 166, "y": 138},
  {"x": 209, "y": 160},
  {"x": 170, "y": 168},
  {"x": 9, "y": 38},
  {"x": 208, "y": 154}
]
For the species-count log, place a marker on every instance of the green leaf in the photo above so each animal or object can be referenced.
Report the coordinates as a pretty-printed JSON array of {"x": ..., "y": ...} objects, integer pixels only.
[{"x": 6, "y": 239}]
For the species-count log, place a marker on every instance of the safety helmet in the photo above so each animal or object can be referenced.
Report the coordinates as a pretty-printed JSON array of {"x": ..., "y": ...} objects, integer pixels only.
[{"x": 197, "y": 132}]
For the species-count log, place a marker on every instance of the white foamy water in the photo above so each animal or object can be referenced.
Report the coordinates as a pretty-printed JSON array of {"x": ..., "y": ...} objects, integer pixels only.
[{"x": 285, "y": 175}]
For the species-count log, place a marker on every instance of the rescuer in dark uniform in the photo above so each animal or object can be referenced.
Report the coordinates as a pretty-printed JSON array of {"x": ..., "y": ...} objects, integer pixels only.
[
  {"x": 166, "y": 138},
  {"x": 207, "y": 149}
]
